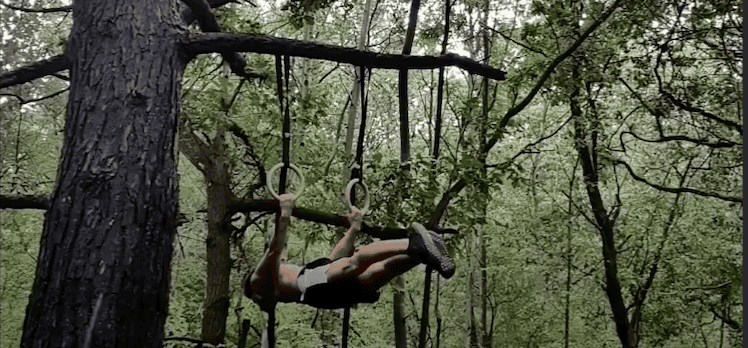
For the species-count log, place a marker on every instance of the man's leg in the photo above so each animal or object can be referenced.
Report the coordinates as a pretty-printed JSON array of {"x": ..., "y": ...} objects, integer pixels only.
[
  {"x": 380, "y": 273},
  {"x": 366, "y": 256}
]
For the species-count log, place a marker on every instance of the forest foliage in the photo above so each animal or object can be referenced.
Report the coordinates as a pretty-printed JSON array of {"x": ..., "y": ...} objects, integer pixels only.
[{"x": 651, "y": 98}]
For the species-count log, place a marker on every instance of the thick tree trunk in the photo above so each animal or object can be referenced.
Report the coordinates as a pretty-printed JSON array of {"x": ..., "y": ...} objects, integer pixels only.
[{"x": 103, "y": 273}]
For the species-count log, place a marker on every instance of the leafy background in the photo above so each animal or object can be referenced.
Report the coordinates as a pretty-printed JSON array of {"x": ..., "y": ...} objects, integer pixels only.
[{"x": 525, "y": 203}]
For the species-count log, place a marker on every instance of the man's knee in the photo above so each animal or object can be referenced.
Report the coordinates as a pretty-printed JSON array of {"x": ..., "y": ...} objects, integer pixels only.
[
  {"x": 371, "y": 273},
  {"x": 350, "y": 265}
]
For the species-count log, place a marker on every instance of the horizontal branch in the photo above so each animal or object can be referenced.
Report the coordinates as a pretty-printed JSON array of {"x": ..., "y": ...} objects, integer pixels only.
[
  {"x": 271, "y": 205},
  {"x": 221, "y": 42},
  {"x": 27, "y": 101},
  {"x": 674, "y": 189},
  {"x": 690, "y": 108},
  {"x": 663, "y": 139},
  {"x": 34, "y": 71},
  {"x": 68, "y": 8},
  {"x": 25, "y": 202},
  {"x": 208, "y": 23}
]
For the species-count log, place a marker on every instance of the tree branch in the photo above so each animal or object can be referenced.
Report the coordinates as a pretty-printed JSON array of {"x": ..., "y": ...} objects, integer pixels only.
[
  {"x": 219, "y": 42},
  {"x": 508, "y": 38},
  {"x": 702, "y": 112},
  {"x": 38, "y": 201},
  {"x": 34, "y": 71},
  {"x": 208, "y": 23},
  {"x": 194, "y": 148},
  {"x": 546, "y": 74},
  {"x": 188, "y": 15},
  {"x": 33, "y": 10},
  {"x": 238, "y": 132},
  {"x": 24, "y": 101},
  {"x": 703, "y": 142},
  {"x": 726, "y": 319},
  {"x": 271, "y": 205},
  {"x": 506, "y": 163},
  {"x": 676, "y": 190}
]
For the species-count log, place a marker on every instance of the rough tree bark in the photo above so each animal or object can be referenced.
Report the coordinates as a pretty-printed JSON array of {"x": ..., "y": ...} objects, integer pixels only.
[{"x": 103, "y": 272}]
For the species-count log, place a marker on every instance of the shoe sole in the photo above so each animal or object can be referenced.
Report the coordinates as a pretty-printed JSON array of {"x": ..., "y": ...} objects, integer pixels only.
[{"x": 435, "y": 247}]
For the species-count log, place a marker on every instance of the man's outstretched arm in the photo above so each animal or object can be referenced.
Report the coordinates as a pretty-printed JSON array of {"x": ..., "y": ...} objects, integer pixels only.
[
  {"x": 344, "y": 248},
  {"x": 264, "y": 280}
]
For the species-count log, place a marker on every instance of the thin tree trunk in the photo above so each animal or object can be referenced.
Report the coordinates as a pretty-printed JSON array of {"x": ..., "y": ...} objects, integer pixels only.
[
  {"x": 102, "y": 276},
  {"x": 471, "y": 340},
  {"x": 567, "y": 295},
  {"x": 438, "y": 314},
  {"x": 586, "y": 148},
  {"x": 401, "y": 339},
  {"x": 307, "y": 37},
  {"x": 218, "y": 252},
  {"x": 484, "y": 186},
  {"x": 605, "y": 225},
  {"x": 398, "y": 312}
]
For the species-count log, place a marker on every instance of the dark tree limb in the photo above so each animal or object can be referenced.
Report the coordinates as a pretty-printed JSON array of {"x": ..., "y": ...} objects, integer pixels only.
[
  {"x": 194, "y": 148},
  {"x": 38, "y": 201},
  {"x": 188, "y": 16},
  {"x": 509, "y": 38},
  {"x": 690, "y": 108},
  {"x": 702, "y": 142},
  {"x": 27, "y": 101},
  {"x": 271, "y": 205},
  {"x": 676, "y": 189},
  {"x": 241, "y": 134},
  {"x": 222, "y": 42},
  {"x": 732, "y": 323},
  {"x": 219, "y": 42},
  {"x": 208, "y": 23},
  {"x": 43, "y": 10},
  {"x": 34, "y": 71},
  {"x": 603, "y": 222}
]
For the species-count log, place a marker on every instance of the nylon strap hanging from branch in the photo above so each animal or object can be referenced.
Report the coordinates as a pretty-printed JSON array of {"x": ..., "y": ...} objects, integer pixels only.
[
  {"x": 283, "y": 77},
  {"x": 358, "y": 170},
  {"x": 285, "y": 155},
  {"x": 356, "y": 173}
]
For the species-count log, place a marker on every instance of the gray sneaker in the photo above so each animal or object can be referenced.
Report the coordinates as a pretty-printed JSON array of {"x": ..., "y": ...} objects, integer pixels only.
[{"x": 428, "y": 246}]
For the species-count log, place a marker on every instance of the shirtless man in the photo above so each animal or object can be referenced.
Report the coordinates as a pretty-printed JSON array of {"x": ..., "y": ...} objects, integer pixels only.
[{"x": 345, "y": 278}]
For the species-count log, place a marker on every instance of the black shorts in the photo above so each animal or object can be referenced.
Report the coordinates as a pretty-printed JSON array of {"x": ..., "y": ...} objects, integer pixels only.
[{"x": 339, "y": 293}]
